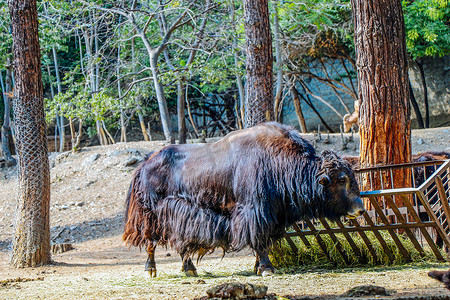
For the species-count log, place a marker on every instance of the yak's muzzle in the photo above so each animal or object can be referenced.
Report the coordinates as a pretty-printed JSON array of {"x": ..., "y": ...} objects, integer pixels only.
[{"x": 357, "y": 208}]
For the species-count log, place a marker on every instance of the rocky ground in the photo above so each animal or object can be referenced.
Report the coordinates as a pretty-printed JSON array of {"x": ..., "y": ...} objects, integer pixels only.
[{"x": 87, "y": 195}]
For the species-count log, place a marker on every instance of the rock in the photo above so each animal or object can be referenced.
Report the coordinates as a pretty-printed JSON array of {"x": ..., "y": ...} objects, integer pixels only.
[
  {"x": 132, "y": 161},
  {"x": 91, "y": 159},
  {"x": 89, "y": 183},
  {"x": 420, "y": 141},
  {"x": 114, "y": 153},
  {"x": 367, "y": 290},
  {"x": 62, "y": 156},
  {"x": 135, "y": 152},
  {"x": 237, "y": 290},
  {"x": 79, "y": 204}
]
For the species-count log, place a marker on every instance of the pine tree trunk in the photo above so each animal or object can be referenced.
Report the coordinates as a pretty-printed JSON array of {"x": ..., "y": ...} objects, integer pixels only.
[
  {"x": 31, "y": 241},
  {"x": 259, "y": 64},
  {"x": 381, "y": 61}
]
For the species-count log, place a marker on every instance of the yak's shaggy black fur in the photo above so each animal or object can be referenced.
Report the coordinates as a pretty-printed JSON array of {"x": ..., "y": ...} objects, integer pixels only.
[
  {"x": 443, "y": 276},
  {"x": 190, "y": 229},
  {"x": 243, "y": 190}
]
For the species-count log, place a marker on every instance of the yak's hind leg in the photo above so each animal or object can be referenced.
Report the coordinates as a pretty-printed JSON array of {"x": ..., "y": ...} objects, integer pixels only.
[
  {"x": 188, "y": 266},
  {"x": 150, "y": 265},
  {"x": 263, "y": 265}
]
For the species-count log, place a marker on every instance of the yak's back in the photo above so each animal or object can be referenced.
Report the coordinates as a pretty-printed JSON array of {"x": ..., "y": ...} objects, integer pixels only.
[{"x": 273, "y": 137}]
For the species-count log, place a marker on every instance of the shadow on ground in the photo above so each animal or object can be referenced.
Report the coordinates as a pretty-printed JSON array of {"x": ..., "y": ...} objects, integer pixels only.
[{"x": 80, "y": 232}]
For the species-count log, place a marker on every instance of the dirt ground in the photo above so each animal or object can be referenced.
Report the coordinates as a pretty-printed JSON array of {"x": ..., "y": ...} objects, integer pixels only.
[{"x": 87, "y": 197}]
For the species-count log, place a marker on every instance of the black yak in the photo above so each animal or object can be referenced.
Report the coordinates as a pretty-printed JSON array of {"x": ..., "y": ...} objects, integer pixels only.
[{"x": 242, "y": 190}]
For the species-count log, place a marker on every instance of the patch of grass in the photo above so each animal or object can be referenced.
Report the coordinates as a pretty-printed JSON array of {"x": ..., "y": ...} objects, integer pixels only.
[{"x": 314, "y": 257}]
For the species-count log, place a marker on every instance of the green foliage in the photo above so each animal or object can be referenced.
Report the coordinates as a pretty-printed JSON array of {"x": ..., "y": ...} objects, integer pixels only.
[
  {"x": 305, "y": 22},
  {"x": 427, "y": 27},
  {"x": 312, "y": 30},
  {"x": 5, "y": 35}
]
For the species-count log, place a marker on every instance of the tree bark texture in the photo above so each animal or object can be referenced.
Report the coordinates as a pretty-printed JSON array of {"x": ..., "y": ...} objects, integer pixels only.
[
  {"x": 259, "y": 102},
  {"x": 31, "y": 241},
  {"x": 381, "y": 61}
]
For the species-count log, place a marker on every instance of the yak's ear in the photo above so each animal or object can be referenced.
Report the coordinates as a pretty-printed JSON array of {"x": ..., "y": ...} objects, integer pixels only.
[{"x": 324, "y": 179}]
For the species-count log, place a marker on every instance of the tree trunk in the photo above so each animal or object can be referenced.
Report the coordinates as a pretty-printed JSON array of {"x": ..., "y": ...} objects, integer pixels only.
[
  {"x": 181, "y": 107},
  {"x": 162, "y": 103},
  {"x": 279, "y": 65},
  {"x": 415, "y": 106},
  {"x": 123, "y": 129},
  {"x": 259, "y": 63},
  {"x": 77, "y": 138},
  {"x": 298, "y": 108},
  {"x": 191, "y": 119},
  {"x": 10, "y": 161},
  {"x": 240, "y": 85},
  {"x": 425, "y": 94},
  {"x": 31, "y": 241},
  {"x": 143, "y": 129},
  {"x": 381, "y": 61},
  {"x": 138, "y": 97},
  {"x": 62, "y": 132}
]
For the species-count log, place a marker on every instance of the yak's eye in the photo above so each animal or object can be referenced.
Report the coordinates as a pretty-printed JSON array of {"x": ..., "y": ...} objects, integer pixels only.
[{"x": 342, "y": 179}]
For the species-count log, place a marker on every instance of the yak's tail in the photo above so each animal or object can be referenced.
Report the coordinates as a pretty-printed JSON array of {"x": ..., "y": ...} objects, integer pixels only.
[
  {"x": 139, "y": 227},
  {"x": 190, "y": 229}
]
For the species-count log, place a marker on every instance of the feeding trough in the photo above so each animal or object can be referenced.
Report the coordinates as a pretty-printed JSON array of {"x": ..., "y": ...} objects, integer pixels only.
[{"x": 419, "y": 213}]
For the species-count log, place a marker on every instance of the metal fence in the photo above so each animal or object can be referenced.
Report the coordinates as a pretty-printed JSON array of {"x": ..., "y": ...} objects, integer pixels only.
[{"x": 423, "y": 218}]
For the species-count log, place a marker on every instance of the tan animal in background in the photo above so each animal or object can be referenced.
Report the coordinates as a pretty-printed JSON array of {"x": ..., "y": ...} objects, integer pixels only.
[{"x": 349, "y": 119}]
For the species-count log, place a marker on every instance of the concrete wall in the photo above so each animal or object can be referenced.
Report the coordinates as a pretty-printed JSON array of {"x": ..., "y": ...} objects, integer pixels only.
[{"x": 437, "y": 76}]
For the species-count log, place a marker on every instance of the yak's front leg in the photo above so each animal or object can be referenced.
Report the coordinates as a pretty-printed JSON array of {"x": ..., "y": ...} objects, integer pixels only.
[
  {"x": 188, "y": 266},
  {"x": 150, "y": 265},
  {"x": 263, "y": 265}
]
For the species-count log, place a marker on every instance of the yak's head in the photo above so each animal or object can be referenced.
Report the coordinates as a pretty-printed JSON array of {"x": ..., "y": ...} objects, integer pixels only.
[{"x": 340, "y": 188}]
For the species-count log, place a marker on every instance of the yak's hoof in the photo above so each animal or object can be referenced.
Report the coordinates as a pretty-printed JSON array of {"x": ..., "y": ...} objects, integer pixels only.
[
  {"x": 265, "y": 272},
  {"x": 191, "y": 273},
  {"x": 151, "y": 272}
]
